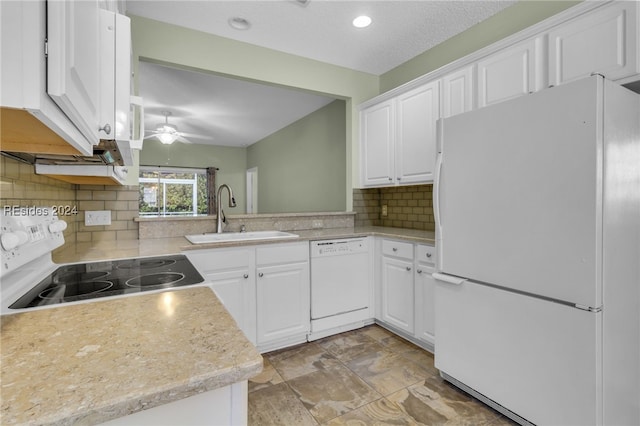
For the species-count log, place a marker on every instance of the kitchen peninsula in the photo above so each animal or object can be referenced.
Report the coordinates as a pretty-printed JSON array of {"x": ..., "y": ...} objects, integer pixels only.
[{"x": 94, "y": 362}]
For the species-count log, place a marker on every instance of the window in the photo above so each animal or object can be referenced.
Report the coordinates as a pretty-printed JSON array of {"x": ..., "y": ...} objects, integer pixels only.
[{"x": 170, "y": 191}]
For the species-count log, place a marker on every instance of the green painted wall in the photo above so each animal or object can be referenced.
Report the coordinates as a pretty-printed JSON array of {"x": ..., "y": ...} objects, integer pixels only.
[
  {"x": 505, "y": 23},
  {"x": 302, "y": 168},
  {"x": 232, "y": 163}
]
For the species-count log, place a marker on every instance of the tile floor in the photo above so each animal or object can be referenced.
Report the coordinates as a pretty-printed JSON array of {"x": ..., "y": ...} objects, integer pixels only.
[{"x": 363, "y": 377}]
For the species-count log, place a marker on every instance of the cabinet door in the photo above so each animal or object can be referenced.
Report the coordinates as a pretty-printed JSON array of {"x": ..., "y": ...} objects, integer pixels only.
[
  {"x": 510, "y": 73},
  {"x": 231, "y": 274},
  {"x": 416, "y": 114},
  {"x": 425, "y": 306},
  {"x": 283, "y": 301},
  {"x": 397, "y": 293},
  {"x": 457, "y": 92},
  {"x": 115, "y": 82},
  {"x": 377, "y": 144},
  {"x": 234, "y": 289},
  {"x": 73, "y": 64},
  {"x": 603, "y": 41}
]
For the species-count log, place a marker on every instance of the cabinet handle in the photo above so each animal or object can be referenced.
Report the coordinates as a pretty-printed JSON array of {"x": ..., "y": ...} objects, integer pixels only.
[
  {"x": 390, "y": 178},
  {"x": 419, "y": 271},
  {"x": 246, "y": 276},
  {"x": 395, "y": 249},
  {"x": 408, "y": 268},
  {"x": 106, "y": 128},
  {"x": 260, "y": 274},
  {"x": 398, "y": 178},
  {"x": 428, "y": 254}
]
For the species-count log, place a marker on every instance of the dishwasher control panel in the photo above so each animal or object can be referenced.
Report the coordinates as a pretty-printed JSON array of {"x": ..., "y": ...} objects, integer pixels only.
[{"x": 338, "y": 247}]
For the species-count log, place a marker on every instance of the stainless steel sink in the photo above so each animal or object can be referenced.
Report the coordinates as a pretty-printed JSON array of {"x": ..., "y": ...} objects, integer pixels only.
[{"x": 238, "y": 236}]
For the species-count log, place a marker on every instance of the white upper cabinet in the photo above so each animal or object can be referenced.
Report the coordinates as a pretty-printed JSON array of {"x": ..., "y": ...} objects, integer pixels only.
[
  {"x": 416, "y": 114},
  {"x": 73, "y": 67},
  {"x": 377, "y": 144},
  {"x": 511, "y": 72},
  {"x": 31, "y": 120},
  {"x": 457, "y": 92},
  {"x": 398, "y": 138},
  {"x": 604, "y": 41}
]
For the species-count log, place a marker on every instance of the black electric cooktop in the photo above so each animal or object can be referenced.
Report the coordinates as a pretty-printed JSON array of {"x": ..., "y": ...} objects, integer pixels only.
[{"x": 71, "y": 283}]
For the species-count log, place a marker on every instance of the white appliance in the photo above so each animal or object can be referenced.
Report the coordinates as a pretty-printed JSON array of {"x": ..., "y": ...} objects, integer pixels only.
[
  {"x": 537, "y": 204},
  {"x": 340, "y": 290}
]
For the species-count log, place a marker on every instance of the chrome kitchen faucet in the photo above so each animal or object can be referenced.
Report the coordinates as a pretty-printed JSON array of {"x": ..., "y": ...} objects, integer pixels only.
[{"x": 220, "y": 213}]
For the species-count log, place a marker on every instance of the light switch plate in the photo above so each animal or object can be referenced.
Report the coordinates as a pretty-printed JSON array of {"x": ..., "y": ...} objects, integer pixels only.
[{"x": 97, "y": 217}]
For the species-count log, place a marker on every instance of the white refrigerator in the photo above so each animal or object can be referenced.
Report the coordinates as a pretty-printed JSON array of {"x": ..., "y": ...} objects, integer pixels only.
[{"x": 537, "y": 204}]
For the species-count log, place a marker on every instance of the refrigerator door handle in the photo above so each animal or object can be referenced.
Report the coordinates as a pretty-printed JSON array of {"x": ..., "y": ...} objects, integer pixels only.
[
  {"x": 449, "y": 279},
  {"x": 436, "y": 190}
]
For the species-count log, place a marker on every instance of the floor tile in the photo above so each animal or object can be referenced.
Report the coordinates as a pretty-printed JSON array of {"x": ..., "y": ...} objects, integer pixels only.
[
  {"x": 329, "y": 393},
  {"x": 277, "y": 405},
  {"x": 351, "y": 346},
  {"x": 301, "y": 360},
  {"x": 423, "y": 358},
  {"x": 387, "y": 372},
  {"x": 378, "y": 413},
  {"x": 376, "y": 332},
  {"x": 269, "y": 376},
  {"x": 362, "y": 377},
  {"x": 435, "y": 402}
]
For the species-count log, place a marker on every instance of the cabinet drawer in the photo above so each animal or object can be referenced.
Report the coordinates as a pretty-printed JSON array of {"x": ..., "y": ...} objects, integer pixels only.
[
  {"x": 397, "y": 249},
  {"x": 282, "y": 253},
  {"x": 426, "y": 254}
]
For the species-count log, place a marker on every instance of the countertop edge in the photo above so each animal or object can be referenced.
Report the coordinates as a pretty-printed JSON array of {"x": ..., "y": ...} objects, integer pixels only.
[
  {"x": 424, "y": 237},
  {"x": 122, "y": 249}
]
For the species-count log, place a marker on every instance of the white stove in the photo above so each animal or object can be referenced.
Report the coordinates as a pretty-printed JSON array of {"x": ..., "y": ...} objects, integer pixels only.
[{"x": 31, "y": 280}]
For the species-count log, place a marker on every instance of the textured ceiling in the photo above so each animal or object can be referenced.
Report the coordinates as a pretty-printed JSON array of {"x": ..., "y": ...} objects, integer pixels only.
[
  {"x": 322, "y": 29},
  {"x": 223, "y": 111}
]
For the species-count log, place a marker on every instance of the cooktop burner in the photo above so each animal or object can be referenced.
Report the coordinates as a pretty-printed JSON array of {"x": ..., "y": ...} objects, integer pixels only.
[{"x": 72, "y": 283}]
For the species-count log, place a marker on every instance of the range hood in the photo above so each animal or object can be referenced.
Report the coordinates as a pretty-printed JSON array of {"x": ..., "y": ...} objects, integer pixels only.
[
  {"x": 84, "y": 174},
  {"x": 104, "y": 167}
]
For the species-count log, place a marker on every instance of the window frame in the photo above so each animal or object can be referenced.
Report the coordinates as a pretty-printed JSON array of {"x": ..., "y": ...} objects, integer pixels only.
[{"x": 162, "y": 183}]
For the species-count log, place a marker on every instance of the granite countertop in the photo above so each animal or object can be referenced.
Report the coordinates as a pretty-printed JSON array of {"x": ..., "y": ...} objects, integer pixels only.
[
  {"x": 90, "y": 251},
  {"x": 92, "y": 362}
]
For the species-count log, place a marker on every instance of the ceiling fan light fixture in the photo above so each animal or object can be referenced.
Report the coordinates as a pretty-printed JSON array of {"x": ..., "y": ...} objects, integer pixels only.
[
  {"x": 362, "y": 21},
  {"x": 167, "y": 138},
  {"x": 239, "y": 23},
  {"x": 165, "y": 132}
]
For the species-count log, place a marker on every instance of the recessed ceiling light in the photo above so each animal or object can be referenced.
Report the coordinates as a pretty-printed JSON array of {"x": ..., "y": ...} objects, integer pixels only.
[
  {"x": 362, "y": 21},
  {"x": 239, "y": 23}
]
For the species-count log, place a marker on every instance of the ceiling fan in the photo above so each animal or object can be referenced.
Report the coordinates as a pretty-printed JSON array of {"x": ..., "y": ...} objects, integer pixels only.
[{"x": 167, "y": 133}]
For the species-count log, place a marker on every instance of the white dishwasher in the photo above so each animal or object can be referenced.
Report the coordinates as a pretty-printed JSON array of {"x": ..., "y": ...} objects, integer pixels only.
[{"x": 340, "y": 285}]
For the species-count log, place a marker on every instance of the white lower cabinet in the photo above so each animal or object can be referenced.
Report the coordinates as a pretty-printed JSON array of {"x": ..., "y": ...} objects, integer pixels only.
[
  {"x": 405, "y": 290},
  {"x": 425, "y": 294},
  {"x": 230, "y": 273},
  {"x": 265, "y": 288},
  {"x": 397, "y": 295},
  {"x": 283, "y": 295}
]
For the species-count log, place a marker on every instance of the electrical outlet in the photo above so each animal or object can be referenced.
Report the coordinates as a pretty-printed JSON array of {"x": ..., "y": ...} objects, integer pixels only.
[
  {"x": 97, "y": 217},
  {"x": 384, "y": 210}
]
